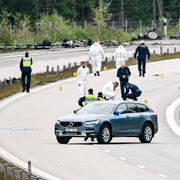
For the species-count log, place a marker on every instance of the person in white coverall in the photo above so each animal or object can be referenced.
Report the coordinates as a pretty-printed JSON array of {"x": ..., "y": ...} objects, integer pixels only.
[
  {"x": 96, "y": 53},
  {"x": 108, "y": 90},
  {"x": 82, "y": 74},
  {"x": 120, "y": 56}
]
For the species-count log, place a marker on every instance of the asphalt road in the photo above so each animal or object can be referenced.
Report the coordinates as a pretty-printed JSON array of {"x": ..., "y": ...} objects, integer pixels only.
[
  {"x": 9, "y": 63},
  {"x": 123, "y": 158}
]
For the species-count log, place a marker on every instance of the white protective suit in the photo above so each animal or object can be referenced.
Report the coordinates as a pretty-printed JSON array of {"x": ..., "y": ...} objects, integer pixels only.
[
  {"x": 120, "y": 56},
  {"x": 82, "y": 74},
  {"x": 108, "y": 90},
  {"x": 96, "y": 53}
]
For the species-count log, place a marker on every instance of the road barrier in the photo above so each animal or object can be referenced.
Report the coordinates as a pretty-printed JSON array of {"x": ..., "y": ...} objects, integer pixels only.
[{"x": 16, "y": 173}]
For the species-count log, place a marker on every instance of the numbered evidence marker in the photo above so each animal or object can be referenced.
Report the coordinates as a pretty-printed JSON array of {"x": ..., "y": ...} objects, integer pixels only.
[
  {"x": 162, "y": 75},
  {"x": 60, "y": 88},
  {"x": 145, "y": 101},
  {"x": 75, "y": 74},
  {"x": 105, "y": 68},
  {"x": 178, "y": 87}
]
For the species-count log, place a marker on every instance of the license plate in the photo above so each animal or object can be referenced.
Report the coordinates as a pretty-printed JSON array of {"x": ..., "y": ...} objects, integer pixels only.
[{"x": 70, "y": 129}]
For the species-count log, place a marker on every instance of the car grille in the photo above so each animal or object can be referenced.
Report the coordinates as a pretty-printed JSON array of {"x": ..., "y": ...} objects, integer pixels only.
[{"x": 71, "y": 124}]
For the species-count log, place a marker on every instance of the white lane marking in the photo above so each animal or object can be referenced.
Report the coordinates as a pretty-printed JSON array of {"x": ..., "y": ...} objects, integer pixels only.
[
  {"x": 139, "y": 166},
  {"x": 107, "y": 151},
  {"x": 162, "y": 175},
  {"x": 150, "y": 79},
  {"x": 123, "y": 159},
  {"x": 170, "y": 116}
]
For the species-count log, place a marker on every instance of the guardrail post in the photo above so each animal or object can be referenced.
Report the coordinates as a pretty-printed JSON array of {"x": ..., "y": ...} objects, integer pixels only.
[
  {"x": 64, "y": 67},
  {"x": 75, "y": 65},
  {"x": 47, "y": 70},
  {"x": 87, "y": 63},
  {"x": 57, "y": 68},
  {"x": 10, "y": 81},
  {"x": 168, "y": 51},
  {"x": 106, "y": 60},
  {"x": 154, "y": 53},
  {"x": 175, "y": 50},
  {"x": 20, "y": 175},
  {"x": 5, "y": 82},
  {"x": 13, "y": 173},
  {"x": 38, "y": 178},
  {"x": 52, "y": 70},
  {"x": 112, "y": 58},
  {"x": 69, "y": 66},
  {"x": 5, "y": 171},
  {"x": 0, "y": 168},
  {"x": 161, "y": 52},
  {"x": 0, "y": 83},
  {"x": 29, "y": 170}
]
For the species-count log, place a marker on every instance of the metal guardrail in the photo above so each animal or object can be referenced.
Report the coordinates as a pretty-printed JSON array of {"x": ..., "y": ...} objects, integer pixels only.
[
  {"x": 16, "y": 173},
  {"x": 33, "y": 47}
]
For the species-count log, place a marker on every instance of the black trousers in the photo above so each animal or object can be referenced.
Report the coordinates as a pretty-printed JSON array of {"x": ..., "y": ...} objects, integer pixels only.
[{"x": 23, "y": 79}]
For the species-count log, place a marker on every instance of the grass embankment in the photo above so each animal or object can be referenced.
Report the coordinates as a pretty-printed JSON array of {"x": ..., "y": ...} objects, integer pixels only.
[{"x": 41, "y": 79}]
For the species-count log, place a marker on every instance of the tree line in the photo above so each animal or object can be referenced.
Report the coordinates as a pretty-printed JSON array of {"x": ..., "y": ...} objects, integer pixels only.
[{"x": 82, "y": 10}]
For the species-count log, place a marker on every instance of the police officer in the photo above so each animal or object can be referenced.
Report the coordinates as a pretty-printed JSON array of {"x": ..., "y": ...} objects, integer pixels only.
[
  {"x": 96, "y": 53},
  {"x": 135, "y": 92},
  {"x": 123, "y": 73},
  {"x": 142, "y": 51},
  {"x": 100, "y": 96},
  {"x": 25, "y": 67},
  {"x": 87, "y": 99}
]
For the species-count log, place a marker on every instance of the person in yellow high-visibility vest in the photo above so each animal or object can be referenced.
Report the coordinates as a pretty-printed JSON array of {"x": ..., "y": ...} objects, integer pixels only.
[
  {"x": 87, "y": 99},
  {"x": 25, "y": 67}
]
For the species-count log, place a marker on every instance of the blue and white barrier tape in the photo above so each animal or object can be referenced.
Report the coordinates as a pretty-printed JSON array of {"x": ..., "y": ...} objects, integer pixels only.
[{"x": 27, "y": 129}]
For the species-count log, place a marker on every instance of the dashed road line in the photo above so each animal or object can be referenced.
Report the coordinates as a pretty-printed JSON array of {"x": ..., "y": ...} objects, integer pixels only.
[
  {"x": 123, "y": 159},
  {"x": 162, "y": 175},
  {"x": 107, "y": 151},
  {"x": 139, "y": 166}
]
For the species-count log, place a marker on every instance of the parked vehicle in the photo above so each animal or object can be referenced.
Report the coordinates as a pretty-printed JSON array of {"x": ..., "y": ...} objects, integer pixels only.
[{"x": 108, "y": 119}]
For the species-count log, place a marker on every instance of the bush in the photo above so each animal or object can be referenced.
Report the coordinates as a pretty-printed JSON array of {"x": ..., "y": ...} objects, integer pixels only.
[{"x": 5, "y": 38}]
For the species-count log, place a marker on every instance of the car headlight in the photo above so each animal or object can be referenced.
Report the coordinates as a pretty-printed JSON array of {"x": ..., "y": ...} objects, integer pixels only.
[
  {"x": 57, "y": 122},
  {"x": 92, "y": 122}
]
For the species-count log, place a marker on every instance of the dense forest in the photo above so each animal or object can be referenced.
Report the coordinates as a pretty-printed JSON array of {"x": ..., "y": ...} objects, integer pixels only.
[{"x": 81, "y": 10}]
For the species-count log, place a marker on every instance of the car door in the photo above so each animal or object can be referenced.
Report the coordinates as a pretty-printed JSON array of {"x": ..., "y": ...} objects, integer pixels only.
[
  {"x": 136, "y": 118},
  {"x": 142, "y": 114},
  {"x": 121, "y": 123}
]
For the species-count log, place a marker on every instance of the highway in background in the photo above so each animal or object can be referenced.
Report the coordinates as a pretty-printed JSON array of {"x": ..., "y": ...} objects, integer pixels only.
[
  {"x": 9, "y": 63},
  {"x": 123, "y": 158}
]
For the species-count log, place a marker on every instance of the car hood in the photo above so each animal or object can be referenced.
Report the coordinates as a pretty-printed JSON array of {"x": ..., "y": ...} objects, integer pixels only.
[{"x": 83, "y": 117}]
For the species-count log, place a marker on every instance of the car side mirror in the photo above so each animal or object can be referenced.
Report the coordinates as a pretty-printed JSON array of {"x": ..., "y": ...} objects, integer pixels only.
[{"x": 120, "y": 111}]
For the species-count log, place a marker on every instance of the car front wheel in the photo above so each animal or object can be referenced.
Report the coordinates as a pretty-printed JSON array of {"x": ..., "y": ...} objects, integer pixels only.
[
  {"x": 147, "y": 134},
  {"x": 62, "y": 140},
  {"x": 104, "y": 136}
]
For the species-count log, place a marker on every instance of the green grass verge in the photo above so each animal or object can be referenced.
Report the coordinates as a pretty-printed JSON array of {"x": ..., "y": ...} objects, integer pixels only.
[{"x": 42, "y": 79}]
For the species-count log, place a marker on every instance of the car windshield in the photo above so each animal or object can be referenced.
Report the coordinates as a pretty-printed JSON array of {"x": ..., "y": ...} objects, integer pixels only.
[{"x": 95, "y": 108}]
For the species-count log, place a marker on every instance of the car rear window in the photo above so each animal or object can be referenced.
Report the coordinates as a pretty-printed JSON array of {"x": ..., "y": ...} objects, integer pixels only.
[
  {"x": 132, "y": 108},
  {"x": 142, "y": 108}
]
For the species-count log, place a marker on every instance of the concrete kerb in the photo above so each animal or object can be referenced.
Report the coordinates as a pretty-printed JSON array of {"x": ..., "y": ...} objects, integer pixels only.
[{"x": 169, "y": 114}]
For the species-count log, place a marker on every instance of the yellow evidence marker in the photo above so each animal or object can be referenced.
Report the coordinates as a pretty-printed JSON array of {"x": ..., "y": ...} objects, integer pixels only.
[
  {"x": 145, "y": 101},
  {"x": 178, "y": 87},
  {"x": 75, "y": 74},
  {"x": 105, "y": 68},
  {"x": 60, "y": 88},
  {"x": 162, "y": 75}
]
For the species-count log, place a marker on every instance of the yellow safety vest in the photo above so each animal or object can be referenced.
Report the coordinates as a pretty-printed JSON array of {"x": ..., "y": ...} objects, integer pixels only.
[
  {"x": 89, "y": 98},
  {"x": 101, "y": 99},
  {"x": 26, "y": 62}
]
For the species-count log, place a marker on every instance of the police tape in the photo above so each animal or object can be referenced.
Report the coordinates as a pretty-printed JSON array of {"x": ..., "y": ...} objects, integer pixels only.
[
  {"x": 27, "y": 129},
  {"x": 34, "y": 47}
]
